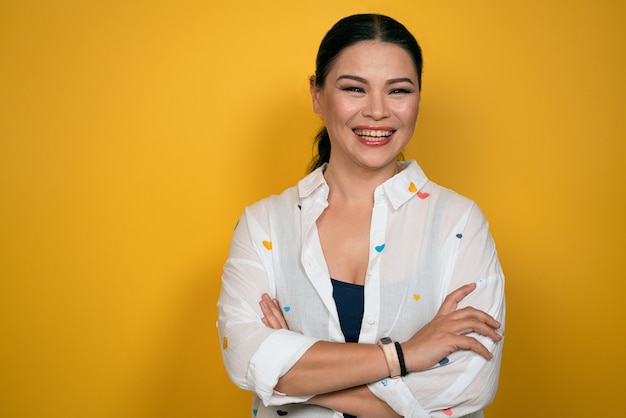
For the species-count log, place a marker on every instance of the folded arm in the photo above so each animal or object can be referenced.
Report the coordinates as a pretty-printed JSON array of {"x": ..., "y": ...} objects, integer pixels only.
[{"x": 336, "y": 370}]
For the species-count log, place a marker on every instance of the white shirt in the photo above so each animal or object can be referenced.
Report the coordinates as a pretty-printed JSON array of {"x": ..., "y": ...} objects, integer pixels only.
[{"x": 425, "y": 242}]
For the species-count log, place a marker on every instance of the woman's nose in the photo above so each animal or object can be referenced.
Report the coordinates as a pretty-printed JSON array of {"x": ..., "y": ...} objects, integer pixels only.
[{"x": 375, "y": 107}]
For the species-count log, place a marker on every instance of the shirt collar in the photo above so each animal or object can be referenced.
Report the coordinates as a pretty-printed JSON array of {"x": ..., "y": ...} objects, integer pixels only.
[
  {"x": 312, "y": 181},
  {"x": 399, "y": 189},
  {"x": 406, "y": 184}
]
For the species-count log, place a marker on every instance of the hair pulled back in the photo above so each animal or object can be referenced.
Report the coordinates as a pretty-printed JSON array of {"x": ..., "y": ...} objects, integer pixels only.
[{"x": 350, "y": 31}]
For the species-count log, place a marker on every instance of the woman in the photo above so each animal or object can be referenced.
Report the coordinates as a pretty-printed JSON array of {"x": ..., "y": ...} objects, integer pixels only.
[{"x": 391, "y": 293}]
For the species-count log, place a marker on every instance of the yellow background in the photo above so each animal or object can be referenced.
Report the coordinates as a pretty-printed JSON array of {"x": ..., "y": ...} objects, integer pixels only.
[{"x": 133, "y": 133}]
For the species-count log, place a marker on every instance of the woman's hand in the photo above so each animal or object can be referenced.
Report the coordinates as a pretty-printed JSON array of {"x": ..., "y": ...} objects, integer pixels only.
[
  {"x": 446, "y": 333},
  {"x": 272, "y": 315}
]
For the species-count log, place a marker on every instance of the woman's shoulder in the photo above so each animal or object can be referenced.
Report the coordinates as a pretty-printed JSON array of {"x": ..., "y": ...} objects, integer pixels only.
[
  {"x": 274, "y": 202},
  {"x": 452, "y": 205},
  {"x": 290, "y": 199},
  {"x": 450, "y": 196}
]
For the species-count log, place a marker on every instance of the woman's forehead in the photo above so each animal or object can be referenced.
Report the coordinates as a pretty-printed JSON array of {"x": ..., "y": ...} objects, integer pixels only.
[{"x": 375, "y": 58}]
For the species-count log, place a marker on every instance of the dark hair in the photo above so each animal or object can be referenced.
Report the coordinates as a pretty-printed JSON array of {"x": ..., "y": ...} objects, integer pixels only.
[{"x": 350, "y": 31}]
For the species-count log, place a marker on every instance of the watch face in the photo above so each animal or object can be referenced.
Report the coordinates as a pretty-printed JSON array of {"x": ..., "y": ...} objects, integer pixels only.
[{"x": 385, "y": 340}]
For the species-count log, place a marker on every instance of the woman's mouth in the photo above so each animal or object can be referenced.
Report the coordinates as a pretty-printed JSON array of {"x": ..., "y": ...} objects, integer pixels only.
[{"x": 374, "y": 136}]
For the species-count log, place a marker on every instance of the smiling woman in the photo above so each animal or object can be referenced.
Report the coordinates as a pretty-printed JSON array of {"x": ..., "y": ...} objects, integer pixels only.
[
  {"x": 132, "y": 134},
  {"x": 333, "y": 44},
  {"x": 352, "y": 266},
  {"x": 370, "y": 94}
]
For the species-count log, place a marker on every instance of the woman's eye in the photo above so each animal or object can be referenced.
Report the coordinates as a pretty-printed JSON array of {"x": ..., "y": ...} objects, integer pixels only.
[
  {"x": 399, "y": 91},
  {"x": 353, "y": 89}
]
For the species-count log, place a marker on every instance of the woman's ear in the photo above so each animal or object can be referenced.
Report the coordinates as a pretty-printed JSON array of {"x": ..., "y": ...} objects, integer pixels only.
[{"x": 315, "y": 94}]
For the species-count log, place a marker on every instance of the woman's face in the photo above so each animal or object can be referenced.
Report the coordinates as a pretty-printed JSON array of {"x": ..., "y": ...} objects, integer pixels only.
[{"x": 369, "y": 103}]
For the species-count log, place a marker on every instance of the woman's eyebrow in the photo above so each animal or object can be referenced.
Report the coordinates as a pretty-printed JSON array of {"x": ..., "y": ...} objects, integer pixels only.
[
  {"x": 399, "y": 80},
  {"x": 364, "y": 81},
  {"x": 352, "y": 77}
]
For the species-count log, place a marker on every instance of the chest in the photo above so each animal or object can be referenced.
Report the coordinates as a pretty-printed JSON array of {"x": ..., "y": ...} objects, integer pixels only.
[{"x": 344, "y": 235}]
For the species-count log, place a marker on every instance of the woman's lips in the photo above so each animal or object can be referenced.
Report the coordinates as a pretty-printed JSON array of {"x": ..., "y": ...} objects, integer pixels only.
[
  {"x": 376, "y": 133},
  {"x": 376, "y": 137}
]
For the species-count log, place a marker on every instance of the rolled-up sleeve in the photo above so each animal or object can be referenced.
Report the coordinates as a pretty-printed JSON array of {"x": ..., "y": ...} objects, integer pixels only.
[
  {"x": 464, "y": 382},
  {"x": 255, "y": 356}
]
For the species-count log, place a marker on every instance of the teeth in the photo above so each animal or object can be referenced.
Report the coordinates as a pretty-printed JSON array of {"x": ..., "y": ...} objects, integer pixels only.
[{"x": 373, "y": 133}]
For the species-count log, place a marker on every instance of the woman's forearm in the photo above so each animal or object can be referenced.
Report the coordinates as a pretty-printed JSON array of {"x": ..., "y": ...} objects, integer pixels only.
[
  {"x": 331, "y": 367},
  {"x": 358, "y": 401}
]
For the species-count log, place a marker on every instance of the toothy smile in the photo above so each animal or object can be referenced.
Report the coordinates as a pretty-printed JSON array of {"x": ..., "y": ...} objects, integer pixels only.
[{"x": 373, "y": 133}]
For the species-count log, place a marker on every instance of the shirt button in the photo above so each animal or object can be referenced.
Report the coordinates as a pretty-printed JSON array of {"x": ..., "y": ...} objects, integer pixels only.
[{"x": 371, "y": 320}]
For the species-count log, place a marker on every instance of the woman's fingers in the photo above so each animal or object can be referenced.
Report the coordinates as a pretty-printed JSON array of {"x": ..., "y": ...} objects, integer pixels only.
[
  {"x": 470, "y": 343},
  {"x": 468, "y": 320},
  {"x": 452, "y": 300},
  {"x": 476, "y": 315},
  {"x": 478, "y": 322},
  {"x": 272, "y": 315}
]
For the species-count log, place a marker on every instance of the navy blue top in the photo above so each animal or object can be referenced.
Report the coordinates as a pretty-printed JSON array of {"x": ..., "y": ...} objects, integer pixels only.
[{"x": 349, "y": 299}]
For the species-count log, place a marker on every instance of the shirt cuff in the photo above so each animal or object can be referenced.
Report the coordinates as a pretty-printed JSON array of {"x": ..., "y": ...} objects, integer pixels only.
[
  {"x": 399, "y": 397},
  {"x": 276, "y": 355}
]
